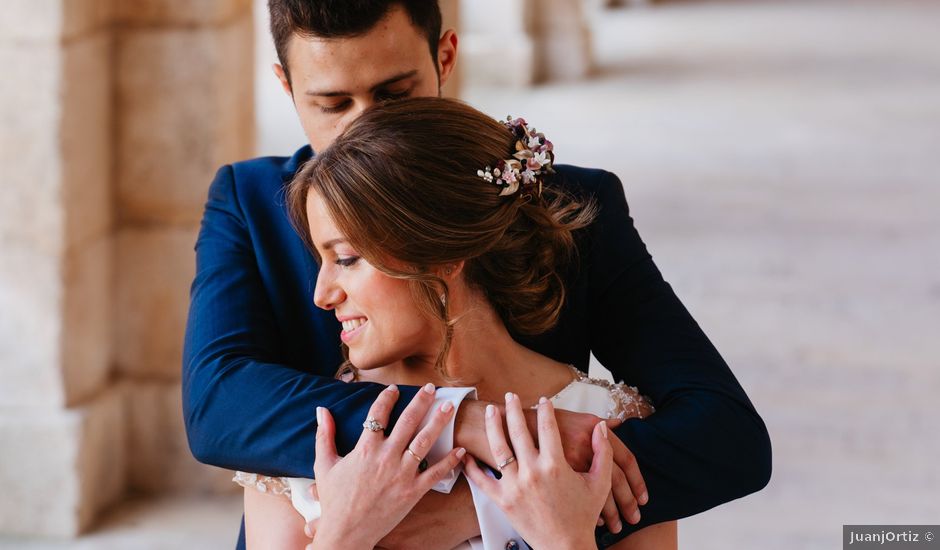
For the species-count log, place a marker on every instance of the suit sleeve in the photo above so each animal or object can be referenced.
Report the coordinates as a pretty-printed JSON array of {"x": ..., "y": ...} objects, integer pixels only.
[
  {"x": 244, "y": 409},
  {"x": 706, "y": 444}
]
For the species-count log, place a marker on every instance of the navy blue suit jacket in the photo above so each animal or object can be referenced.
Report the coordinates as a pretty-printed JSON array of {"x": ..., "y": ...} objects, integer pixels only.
[{"x": 260, "y": 356}]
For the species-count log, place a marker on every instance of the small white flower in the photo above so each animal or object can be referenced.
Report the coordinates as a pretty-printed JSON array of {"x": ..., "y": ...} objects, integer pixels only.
[
  {"x": 534, "y": 142},
  {"x": 542, "y": 158},
  {"x": 528, "y": 176}
]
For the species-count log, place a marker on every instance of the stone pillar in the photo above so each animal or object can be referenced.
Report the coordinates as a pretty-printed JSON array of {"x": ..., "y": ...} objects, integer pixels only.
[
  {"x": 184, "y": 90},
  {"x": 115, "y": 115},
  {"x": 562, "y": 40},
  {"x": 61, "y": 427},
  {"x": 519, "y": 42}
]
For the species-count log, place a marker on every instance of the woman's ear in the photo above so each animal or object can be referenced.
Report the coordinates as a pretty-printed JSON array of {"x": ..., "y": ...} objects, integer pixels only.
[{"x": 451, "y": 271}]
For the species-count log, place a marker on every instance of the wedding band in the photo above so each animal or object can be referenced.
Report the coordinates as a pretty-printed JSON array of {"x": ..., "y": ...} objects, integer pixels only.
[
  {"x": 373, "y": 425},
  {"x": 422, "y": 462},
  {"x": 505, "y": 463}
]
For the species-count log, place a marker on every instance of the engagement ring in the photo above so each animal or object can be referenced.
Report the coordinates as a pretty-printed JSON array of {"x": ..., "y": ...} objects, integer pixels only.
[{"x": 373, "y": 425}]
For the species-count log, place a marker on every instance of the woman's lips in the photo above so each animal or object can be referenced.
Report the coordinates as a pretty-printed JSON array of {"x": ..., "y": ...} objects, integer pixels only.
[{"x": 352, "y": 327}]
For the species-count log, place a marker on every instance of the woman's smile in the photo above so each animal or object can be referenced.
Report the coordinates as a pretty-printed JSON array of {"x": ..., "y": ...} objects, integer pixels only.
[{"x": 352, "y": 327}]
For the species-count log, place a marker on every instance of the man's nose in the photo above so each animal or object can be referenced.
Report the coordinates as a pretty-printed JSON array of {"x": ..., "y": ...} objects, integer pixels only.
[{"x": 361, "y": 105}]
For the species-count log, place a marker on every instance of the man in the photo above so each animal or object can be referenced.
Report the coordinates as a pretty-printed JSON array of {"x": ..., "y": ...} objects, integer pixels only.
[{"x": 260, "y": 358}]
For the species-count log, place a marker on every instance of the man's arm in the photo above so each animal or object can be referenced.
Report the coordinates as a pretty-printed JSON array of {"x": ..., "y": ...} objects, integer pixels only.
[
  {"x": 706, "y": 444},
  {"x": 243, "y": 407}
]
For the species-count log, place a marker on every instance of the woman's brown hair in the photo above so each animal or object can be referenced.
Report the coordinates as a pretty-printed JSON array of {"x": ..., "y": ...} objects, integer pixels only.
[{"x": 401, "y": 184}]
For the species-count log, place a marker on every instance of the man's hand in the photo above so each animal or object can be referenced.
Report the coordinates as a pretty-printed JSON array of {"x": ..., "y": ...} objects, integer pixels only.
[
  {"x": 627, "y": 485},
  {"x": 439, "y": 521},
  {"x": 628, "y": 490}
]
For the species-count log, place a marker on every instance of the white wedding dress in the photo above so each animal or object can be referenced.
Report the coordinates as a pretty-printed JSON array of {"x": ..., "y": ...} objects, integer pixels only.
[{"x": 583, "y": 394}]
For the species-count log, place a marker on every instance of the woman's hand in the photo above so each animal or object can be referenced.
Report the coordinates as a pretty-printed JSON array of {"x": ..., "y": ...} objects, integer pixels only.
[
  {"x": 366, "y": 493},
  {"x": 550, "y": 504}
]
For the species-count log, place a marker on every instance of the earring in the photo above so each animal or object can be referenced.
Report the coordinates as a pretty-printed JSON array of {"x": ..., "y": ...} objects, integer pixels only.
[
  {"x": 448, "y": 270},
  {"x": 443, "y": 299}
]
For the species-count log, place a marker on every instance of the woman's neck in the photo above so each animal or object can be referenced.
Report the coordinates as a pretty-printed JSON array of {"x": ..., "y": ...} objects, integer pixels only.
[{"x": 485, "y": 356}]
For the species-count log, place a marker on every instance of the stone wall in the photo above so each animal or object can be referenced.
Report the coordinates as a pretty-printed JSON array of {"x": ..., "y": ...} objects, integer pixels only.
[{"x": 115, "y": 116}]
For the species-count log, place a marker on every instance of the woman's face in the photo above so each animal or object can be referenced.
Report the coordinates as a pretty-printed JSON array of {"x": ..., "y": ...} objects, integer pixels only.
[{"x": 381, "y": 322}]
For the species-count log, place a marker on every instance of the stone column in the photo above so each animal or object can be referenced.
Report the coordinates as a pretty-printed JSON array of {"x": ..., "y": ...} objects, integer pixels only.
[
  {"x": 184, "y": 90},
  {"x": 519, "y": 42},
  {"x": 115, "y": 116},
  {"x": 61, "y": 426},
  {"x": 563, "y": 49}
]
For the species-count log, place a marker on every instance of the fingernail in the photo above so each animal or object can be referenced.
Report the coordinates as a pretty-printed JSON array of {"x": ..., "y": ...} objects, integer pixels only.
[
  {"x": 542, "y": 400},
  {"x": 490, "y": 411},
  {"x": 307, "y": 531},
  {"x": 319, "y": 415},
  {"x": 604, "y": 429},
  {"x": 617, "y": 527},
  {"x": 635, "y": 517},
  {"x": 391, "y": 387},
  {"x": 447, "y": 406},
  {"x": 600, "y": 522},
  {"x": 508, "y": 396},
  {"x": 644, "y": 498},
  {"x": 460, "y": 452},
  {"x": 428, "y": 388}
]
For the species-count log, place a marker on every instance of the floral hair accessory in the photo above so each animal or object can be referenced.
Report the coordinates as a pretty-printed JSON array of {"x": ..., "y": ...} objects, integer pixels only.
[{"x": 522, "y": 174}]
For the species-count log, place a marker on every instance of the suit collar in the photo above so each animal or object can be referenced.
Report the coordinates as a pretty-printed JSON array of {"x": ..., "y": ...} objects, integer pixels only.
[{"x": 294, "y": 163}]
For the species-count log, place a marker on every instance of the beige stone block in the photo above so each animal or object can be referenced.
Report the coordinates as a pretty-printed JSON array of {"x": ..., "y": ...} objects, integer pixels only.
[
  {"x": 61, "y": 467},
  {"x": 30, "y": 205},
  {"x": 86, "y": 138},
  {"x": 185, "y": 108},
  {"x": 159, "y": 457},
  {"x": 180, "y": 12},
  {"x": 51, "y": 20},
  {"x": 86, "y": 319},
  {"x": 30, "y": 327},
  {"x": 155, "y": 267}
]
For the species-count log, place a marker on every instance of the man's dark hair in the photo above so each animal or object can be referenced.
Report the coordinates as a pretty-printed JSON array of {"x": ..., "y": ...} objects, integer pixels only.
[{"x": 345, "y": 19}]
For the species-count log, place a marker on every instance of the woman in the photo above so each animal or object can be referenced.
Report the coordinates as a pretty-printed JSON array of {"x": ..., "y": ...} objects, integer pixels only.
[{"x": 439, "y": 235}]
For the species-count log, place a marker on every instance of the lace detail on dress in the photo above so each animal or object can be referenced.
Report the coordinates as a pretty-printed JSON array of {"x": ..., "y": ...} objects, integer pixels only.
[
  {"x": 626, "y": 401},
  {"x": 265, "y": 484}
]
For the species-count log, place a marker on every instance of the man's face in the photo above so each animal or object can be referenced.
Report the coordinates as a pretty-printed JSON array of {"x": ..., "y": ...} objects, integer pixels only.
[{"x": 334, "y": 80}]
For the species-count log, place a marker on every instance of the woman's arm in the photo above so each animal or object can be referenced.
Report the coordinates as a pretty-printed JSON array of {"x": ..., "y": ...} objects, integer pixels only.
[{"x": 271, "y": 522}]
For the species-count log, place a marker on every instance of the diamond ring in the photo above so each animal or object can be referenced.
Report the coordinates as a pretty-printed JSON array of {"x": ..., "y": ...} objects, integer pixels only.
[{"x": 373, "y": 425}]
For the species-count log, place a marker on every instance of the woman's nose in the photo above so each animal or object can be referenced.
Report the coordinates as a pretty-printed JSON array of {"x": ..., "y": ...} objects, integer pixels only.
[{"x": 327, "y": 294}]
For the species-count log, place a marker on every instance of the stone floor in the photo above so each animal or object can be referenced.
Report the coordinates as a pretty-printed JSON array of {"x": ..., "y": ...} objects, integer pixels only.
[{"x": 781, "y": 159}]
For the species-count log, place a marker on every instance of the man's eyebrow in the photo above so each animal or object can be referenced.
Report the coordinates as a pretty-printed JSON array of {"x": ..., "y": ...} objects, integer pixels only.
[{"x": 384, "y": 83}]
